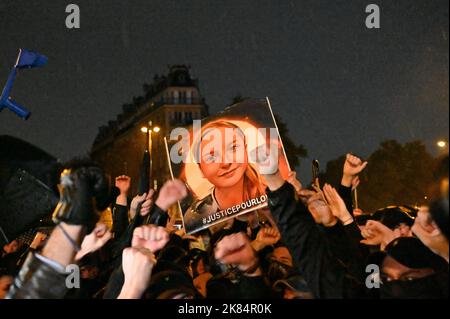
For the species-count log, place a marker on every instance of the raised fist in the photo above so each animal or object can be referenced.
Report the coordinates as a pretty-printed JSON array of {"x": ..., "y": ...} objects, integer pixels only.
[
  {"x": 151, "y": 237},
  {"x": 353, "y": 165},
  {"x": 236, "y": 250},
  {"x": 123, "y": 183},
  {"x": 170, "y": 193},
  {"x": 266, "y": 236},
  {"x": 78, "y": 187}
]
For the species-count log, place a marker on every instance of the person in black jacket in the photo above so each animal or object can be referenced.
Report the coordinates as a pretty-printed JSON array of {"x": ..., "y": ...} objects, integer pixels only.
[
  {"x": 304, "y": 225},
  {"x": 409, "y": 270},
  {"x": 305, "y": 239},
  {"x": 120, "y": 208},
  {"x": 44, "y": 275}
]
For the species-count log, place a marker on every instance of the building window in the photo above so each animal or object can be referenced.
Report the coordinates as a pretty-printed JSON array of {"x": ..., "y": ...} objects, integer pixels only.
[
  {"x": 175, "y": 97},
  {"x": 177, "y": 117},
  {"x": 183, "y": 97},
  {"x": 189, "y": 97}
]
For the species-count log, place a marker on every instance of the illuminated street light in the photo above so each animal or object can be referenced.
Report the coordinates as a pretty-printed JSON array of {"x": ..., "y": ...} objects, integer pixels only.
[
  {"x": 441, "y": 144},
  {"x": 148, "y": 130},
  {"x": 155, "y": 129}
]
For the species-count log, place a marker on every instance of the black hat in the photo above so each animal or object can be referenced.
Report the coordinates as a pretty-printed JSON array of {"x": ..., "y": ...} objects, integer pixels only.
[
  {"x": 392, "y": 216},
  {"x": 411, "y": 252},
  {"x": 439, "y": 213}
]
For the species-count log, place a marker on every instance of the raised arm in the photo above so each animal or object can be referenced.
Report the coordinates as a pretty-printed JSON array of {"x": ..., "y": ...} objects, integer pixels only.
[{"x": 43, "y": 275}]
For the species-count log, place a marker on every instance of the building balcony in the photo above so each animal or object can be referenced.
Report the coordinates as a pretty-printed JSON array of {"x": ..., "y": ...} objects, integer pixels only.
[{"x": 181, "y": 101}]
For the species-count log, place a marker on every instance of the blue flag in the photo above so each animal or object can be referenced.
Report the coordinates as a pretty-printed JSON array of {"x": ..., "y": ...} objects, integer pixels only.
[{"x": 28, "y": 59}]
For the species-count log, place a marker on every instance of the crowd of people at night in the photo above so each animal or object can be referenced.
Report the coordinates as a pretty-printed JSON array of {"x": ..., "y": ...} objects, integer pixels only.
[{"x": 309, "y": 242}]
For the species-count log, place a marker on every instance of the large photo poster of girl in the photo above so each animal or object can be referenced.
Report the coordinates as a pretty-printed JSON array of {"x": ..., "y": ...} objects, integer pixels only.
[{"x": 223, "y": 159}]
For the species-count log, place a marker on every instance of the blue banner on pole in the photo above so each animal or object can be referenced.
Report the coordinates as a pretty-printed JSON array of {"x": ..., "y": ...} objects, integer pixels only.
[
  {"x": 26, "y": 59},
  {"x": 29, "y": 59}
]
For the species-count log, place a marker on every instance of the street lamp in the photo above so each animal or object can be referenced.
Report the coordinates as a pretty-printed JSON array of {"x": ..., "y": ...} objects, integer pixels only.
[
  {"x": 148, "y": 131},
  {"x": 441, "y": 144}
]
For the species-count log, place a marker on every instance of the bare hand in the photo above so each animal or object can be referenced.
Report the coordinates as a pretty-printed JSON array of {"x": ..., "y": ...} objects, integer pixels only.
[
  {"x": 319, "y": 209},
  {"x": 266, "y": 236},
  {"x": 430, "y": 234},
  {"x": 355, "y": 183},
  {"x": 170, "y": 225},
  {"x": 170, "y": 193},
  {"x": 352, "y": 167},
  {"x": 123, "y": 183},
  {"x": 147, "y": 203},
  {"x": 305, "y": 195},
  {"x": 151, "y": 237},
  {"x": 292, "y": 179},
  {"x": 94, "y": 241},
  {"x": 236, "y": 250},
  {"x": 375, "y": 233},
  {"x": 336, "y": 204}
]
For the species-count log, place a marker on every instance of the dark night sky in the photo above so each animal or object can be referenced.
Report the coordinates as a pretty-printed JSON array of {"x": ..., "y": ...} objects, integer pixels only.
[{"x": 339, "y": 86}]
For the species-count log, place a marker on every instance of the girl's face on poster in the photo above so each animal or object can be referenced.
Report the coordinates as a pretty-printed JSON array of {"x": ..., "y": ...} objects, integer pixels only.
[{"x": 223, "y": 156}]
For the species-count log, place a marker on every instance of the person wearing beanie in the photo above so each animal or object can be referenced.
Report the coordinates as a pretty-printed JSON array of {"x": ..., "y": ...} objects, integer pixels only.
[
  {"x": 431, "y": 227},
  {"x": 409, "y": 270}
]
